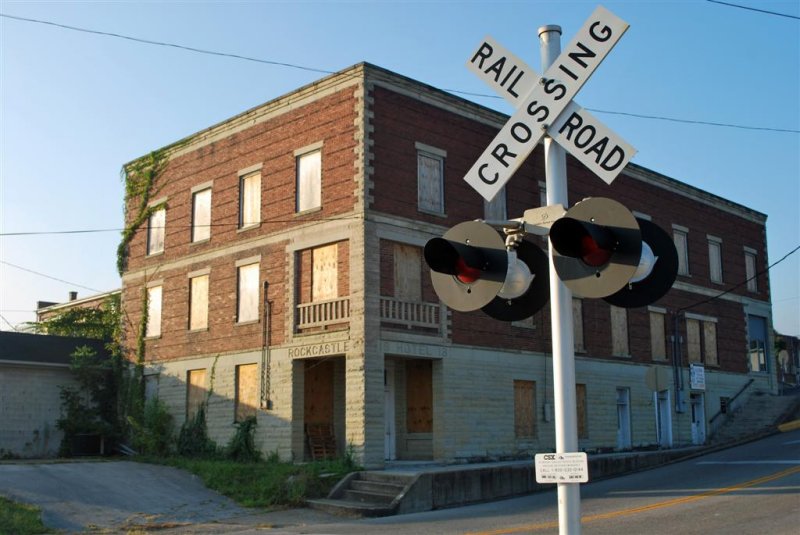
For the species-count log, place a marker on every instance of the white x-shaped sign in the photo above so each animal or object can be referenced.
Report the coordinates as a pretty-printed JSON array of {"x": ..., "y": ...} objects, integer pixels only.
[{"x": 544, "y": 105}]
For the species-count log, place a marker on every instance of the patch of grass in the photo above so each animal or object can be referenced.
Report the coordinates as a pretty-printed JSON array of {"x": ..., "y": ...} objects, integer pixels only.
[
  {"x": 268, "y": 483},
  {"x": 20, "y": 519}
]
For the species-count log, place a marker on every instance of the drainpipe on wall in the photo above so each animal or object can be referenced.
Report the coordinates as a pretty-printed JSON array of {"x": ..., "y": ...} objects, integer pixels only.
[
  {"x": 266, "y": 402},
  {"x": 677, "y": 359}
]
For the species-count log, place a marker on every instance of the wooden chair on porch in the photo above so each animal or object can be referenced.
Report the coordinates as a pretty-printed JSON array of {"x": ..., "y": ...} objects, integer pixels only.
[{"x": 321, "y": 441}]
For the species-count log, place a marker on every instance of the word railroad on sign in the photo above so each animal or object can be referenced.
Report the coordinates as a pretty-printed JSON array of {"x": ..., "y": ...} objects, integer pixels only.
[{"x": 544, "y": 105}]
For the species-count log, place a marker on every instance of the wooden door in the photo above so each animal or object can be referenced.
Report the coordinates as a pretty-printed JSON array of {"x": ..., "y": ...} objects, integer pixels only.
[{"x": 318, "y": 392}]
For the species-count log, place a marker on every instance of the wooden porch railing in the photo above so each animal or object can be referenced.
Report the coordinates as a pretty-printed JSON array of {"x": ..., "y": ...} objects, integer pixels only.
[
  {"x": 410, "y": 313},
  {"x": 323, "y": 313}
]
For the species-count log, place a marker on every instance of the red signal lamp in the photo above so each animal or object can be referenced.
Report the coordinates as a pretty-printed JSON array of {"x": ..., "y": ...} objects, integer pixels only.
[
  {"x": 471, "y": 269},
  {"x": 597, "y": 246}
]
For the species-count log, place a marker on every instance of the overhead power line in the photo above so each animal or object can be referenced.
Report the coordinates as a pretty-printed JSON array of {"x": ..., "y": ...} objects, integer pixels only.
[
  {"x": 732, "y": 288},
  {"x": 748, "y": 8},
  {"x": 8, "y": 322},
  {"x": 171, "y": 45},
  {"x": 49, "y": 277},
  {"x": 326, "y": 71},
  {"x": 693, "y": 121},
  {"x": 172, "y": 226}
]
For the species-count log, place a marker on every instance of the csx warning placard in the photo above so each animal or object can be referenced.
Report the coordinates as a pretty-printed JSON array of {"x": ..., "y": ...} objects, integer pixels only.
[{"x": 561, "y": 467}]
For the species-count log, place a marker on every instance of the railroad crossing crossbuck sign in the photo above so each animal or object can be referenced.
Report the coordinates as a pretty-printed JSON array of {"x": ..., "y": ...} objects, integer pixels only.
[{"x": 544, "y": 105}]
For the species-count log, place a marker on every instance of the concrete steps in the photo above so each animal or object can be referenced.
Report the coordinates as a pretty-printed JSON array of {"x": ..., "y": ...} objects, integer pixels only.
[
  {"x": 366, "y": 494},
  {"x": 760, "y": 414}
]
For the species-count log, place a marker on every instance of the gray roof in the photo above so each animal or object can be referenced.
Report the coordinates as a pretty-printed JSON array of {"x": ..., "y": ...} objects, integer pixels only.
[{"x": 43, "y": 349}]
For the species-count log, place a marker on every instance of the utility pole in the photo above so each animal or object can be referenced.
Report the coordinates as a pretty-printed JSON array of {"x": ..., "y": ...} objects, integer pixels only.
[{"x": 569, "y": 494}]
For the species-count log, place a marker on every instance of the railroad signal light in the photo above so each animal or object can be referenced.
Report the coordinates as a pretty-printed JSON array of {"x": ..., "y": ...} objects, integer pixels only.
[
  {"x": 597, "y": 246},
  {"x": 471, "y": 269},
  {"x": 601, "y": 250},
  {"x": 658, "y": 268}
]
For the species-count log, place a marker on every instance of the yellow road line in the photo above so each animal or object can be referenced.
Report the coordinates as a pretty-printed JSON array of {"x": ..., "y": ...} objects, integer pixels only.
[
  {"x": 645, "y": 508},
  {"x": 789, "y": 426}
]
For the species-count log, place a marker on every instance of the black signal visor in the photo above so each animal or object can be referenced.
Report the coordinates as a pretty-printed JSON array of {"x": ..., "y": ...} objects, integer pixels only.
[
  {"x": 464, "y": 262},
  {"x": 593, "y": 244}
]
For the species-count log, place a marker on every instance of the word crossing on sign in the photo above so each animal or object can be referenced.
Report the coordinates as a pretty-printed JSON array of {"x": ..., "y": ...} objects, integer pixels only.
[
  {"x": 583, "y": 135},
  {"x": 545, "y": 102}
]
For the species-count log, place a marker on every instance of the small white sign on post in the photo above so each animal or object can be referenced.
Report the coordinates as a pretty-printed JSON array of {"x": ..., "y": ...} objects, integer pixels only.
[
  {"x": 544, "y": 103},
  {"x": 561, "y": 467},
  {"x": 697, "y": 377}
]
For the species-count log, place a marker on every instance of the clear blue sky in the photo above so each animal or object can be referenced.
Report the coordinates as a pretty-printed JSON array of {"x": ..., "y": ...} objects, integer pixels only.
[{"x": 76, "y": 106}]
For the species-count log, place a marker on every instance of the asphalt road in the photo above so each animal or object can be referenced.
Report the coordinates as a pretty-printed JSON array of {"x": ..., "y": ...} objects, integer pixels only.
[
  {"x": 754, "y": 488},
  {"x": 750, "y": 489}
]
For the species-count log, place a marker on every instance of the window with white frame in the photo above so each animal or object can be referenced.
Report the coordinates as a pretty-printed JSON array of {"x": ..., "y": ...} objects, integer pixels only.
[
  {"x": 680, "y": 236},
  {"x": 198, "y": 301},
  {"x": 309, "y": 179},
  {"x": 247, "y": 292},
  {"x": 201, "y": 214},
  {"x": 154, "y": 296},
  {"x": 715, "y": 259},
  {"x": 430, "y": 179},
  {"x": 757, "y": 336},
  {"x": 750, "y": 269},
  {"x": 249, "y": 199},
  {"x": 156, "y": 230}
]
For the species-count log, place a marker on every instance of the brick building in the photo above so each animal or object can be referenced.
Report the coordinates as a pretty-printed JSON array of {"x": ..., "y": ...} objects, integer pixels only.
[
  {"x": 47, "y": 310},
  {"x": 283, "y": 269}
]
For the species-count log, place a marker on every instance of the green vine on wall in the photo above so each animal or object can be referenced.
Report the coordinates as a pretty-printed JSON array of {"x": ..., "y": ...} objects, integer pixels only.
[
  {"x": 141, "y": 178},
  {"x": 142, "y": 184}
]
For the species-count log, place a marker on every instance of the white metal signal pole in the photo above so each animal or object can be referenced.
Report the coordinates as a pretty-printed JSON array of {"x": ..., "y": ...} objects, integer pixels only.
[{"x": 569, "y": 494}]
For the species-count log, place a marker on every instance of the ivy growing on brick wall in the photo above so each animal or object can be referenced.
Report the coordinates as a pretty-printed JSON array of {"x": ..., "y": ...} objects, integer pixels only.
[{"x": 141, "y": 185}]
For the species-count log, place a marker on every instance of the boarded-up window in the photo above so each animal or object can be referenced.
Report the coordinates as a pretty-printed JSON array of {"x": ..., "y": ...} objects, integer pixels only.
[
  {"x": 693, "y": 351},
  {"x": 309, "y": 181},
  {"x": 201, "y": 215},
  {"x": 701, "y": 340},
  {"x": 156, "y": 229},
  {"x": 195, "y": 391},
  {"x": 153, "y": 327},
  {"x": 582, "y": 409},
  {"x": 246, "y": 391},
  {"x": 495, "y": 210},
  {"x": 577, "y": 322},
  {"x": 247, "y": 297},
  {"x": 658, "y": 344},
  {"x": 325, "y": 273},
  {"x": 619, "y": 332},
  {"x": 681, "y": 239},
  {"x": 524, "y": 409},
  {"x": 249, "y": 200},
  {"x": 710, "y": 343},
  {"x": 430, "y": 182},
  {"x": 750, "y": 271},
  {"x": 407, "y": 272},
  {"x": 419, "y": 396},
  {"x": 715, "y": 260},
  {"x": 198, "y": 302}
]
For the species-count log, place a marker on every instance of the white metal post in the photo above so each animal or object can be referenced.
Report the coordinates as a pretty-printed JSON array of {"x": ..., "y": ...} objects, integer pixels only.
[{"x": 569, "y": 495}]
